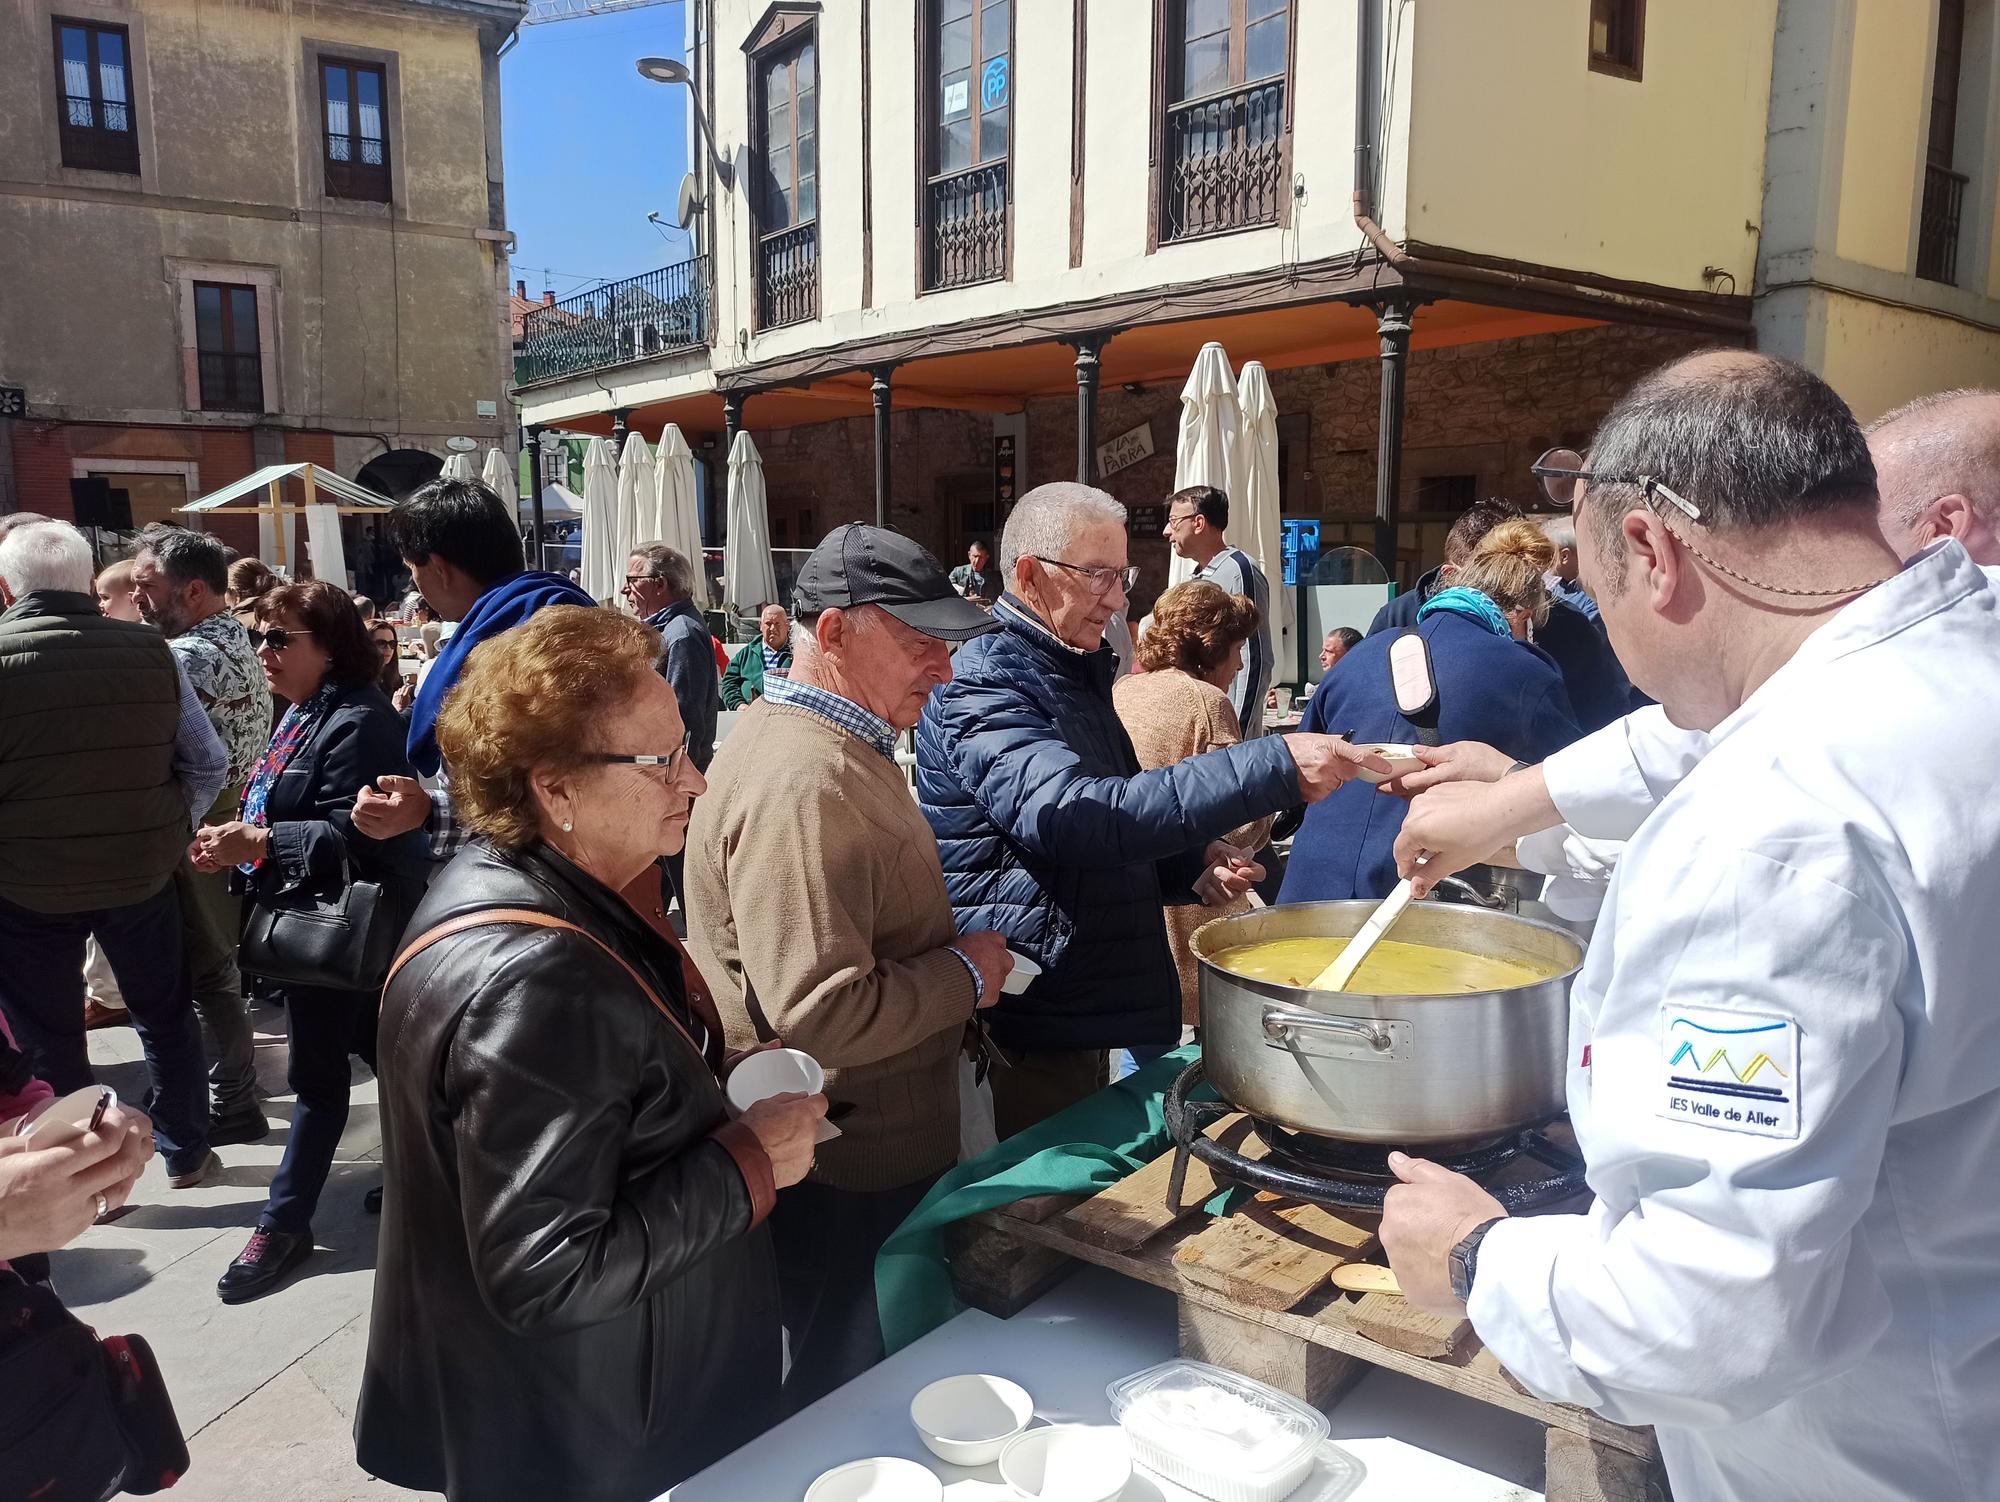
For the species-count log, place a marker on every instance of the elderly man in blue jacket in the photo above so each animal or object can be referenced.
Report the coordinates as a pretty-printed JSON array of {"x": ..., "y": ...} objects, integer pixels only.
[{"x": 1051, "y": 834}]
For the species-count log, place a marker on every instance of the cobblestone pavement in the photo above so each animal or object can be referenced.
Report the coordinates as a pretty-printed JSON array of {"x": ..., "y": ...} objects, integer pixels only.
[{"x": 265, "y": 1391}]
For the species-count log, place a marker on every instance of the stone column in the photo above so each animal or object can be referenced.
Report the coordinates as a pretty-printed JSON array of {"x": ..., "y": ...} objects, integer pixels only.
[
  {"x": 1392, "y": 323},
  {"x": 879, "y": 390}
]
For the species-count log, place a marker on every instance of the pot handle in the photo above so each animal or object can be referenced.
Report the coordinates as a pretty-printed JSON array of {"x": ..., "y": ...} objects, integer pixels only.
[{"x": 1280, "y": 1023}]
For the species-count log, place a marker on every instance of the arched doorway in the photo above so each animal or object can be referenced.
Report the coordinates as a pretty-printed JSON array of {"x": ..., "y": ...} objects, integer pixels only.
[
  {"x": 399, "y": 471},
  {"x": 378, "y": 572}
]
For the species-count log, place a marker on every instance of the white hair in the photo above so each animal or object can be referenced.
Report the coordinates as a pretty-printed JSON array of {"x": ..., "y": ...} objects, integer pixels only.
[
  {"x": 1045, "y": 521},
  {"x": 45, "y": 555},
  {"x": 858, "y": 619},
  {"x": 1560, "y": 530}
]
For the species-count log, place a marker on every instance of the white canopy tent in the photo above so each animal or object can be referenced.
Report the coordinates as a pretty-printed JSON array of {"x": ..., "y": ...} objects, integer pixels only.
[
  {"x": 1208, "y": 448},
  {"x": 1254, "y": 510},
  {"x": 748, "y": 579},
  {"x": 559, "y": 504},
  {"x": 675, "y": 508},
  {"x": 327, "y": 496}
]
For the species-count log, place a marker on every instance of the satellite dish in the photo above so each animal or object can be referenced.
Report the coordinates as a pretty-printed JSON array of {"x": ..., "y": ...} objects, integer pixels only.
[
  {"x": 689, "y": 203},
  {"x": 461, "y": 445}
]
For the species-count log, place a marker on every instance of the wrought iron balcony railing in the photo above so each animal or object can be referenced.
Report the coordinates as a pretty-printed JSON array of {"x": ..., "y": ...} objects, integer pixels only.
[
  {"x": 968, "y": 228},
  {"x": 1937, "y": 230},
  {"x": 788, "y": 276},
  {"x": 653, "y": 314},
  {"x": 1225, "y": 162}
]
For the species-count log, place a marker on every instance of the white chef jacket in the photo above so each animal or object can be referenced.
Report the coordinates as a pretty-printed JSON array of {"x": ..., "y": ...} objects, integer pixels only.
[{"x": 1792, "y": 1267}]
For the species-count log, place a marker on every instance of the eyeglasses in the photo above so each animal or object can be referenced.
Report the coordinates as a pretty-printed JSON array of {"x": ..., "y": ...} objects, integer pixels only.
[
  {"x": 667, "y": 764},
  {"x": 1185, "y": 516},
  {"x": 637, "y": 578},
  {"x": 1564, "y": 481},
  {"x": 1101, "y": 578},
  {"x": 277, "y": 638}
]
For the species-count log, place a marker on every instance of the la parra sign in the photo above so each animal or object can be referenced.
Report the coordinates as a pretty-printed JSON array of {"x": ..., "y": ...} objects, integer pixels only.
[{"x": 1124, "y": 451}]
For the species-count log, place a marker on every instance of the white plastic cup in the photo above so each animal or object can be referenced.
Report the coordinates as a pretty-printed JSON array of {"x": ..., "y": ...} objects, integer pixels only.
[
  {"x": 1022, "y": 975},
  {"x": 1284, "y": 701},
  {"x": 773, "y": 1071}
]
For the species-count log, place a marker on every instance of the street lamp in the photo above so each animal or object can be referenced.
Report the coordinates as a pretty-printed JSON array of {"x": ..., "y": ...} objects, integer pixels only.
[{"x": 673, "y": 70}]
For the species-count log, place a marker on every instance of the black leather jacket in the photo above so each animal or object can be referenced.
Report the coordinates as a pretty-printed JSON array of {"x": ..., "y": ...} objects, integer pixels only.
[{"x": 573, "y": 1297}]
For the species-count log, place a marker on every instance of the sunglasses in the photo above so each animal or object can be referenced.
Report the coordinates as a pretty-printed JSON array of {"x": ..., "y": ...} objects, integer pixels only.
[{"x": 277, "y": 638}]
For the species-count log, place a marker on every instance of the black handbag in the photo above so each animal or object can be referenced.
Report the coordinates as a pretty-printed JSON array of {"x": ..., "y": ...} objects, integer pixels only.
[
  {"x": 86, "y": 1418},
  {"x": 338, "y": 941}
]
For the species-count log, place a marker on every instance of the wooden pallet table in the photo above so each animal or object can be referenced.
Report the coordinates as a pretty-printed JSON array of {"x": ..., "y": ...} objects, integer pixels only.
[{"x": 1256, "y": 1296}]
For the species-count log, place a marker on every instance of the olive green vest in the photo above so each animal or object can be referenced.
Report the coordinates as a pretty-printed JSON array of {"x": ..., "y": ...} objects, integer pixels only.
[{"x": 91, "y": 815}]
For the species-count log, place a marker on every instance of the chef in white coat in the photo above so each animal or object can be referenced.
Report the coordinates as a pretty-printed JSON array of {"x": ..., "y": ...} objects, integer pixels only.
[{"x": 1784, "y": 1065}]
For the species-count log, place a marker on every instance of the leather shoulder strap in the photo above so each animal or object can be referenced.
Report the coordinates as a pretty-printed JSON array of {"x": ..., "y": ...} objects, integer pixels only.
[{"x": 521, "y": 917}]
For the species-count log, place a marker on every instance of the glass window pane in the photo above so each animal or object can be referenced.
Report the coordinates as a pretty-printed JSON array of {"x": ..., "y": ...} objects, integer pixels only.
[
  {"x": 368, "y": 111},
  {"x": 208, "y": 318},
  {"x": 1264, "y": 49},
  {"x": 778, "y": 126},
  {"x": 955, "y": 95},
  {"x": 1204, "y": 18},
  {"x": 243, "y": 313},
  {"x": 808, "y": 198},
  {"x": 1205, "y": 66},
  {"x": 808, "y": 67},
  {"x": 1258, "y": 9},
  {"x": 955, "y": 46},
  {"x": 993, "y": 28},
  {"x": 951, "y": 10},
  {"x": 777, "y": 82},
  {"x": 111, "y": 65},
  {"x": 993, "y": 135},
  {"x": 994, "y": 84},
  {"x": 808, "y": 154},
  {"x": 778, "y": 213},
  {"x": 957, "y": 153},
  {"x": 76, "y": 76}
]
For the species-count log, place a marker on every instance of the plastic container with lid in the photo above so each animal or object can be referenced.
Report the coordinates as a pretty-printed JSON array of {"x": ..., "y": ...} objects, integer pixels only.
[{"x": 1222, "y": 1435}]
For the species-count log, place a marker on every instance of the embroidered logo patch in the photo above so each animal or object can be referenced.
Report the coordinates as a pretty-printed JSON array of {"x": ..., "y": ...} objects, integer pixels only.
[{"x": 1733, "y": 1070}]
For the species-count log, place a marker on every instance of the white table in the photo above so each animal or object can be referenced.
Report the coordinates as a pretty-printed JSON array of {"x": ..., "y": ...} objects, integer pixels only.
[{"x": 1394, "y": 1438}]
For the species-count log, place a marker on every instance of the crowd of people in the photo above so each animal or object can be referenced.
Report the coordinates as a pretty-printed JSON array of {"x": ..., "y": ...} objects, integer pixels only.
[{"x": 552, "y": 908}]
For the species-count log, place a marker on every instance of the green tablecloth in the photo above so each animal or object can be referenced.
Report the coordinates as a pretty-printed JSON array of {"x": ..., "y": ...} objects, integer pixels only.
[{"x": 1089, "y": 1147}]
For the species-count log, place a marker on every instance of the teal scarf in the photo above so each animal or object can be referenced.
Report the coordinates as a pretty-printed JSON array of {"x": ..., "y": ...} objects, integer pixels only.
[{"x": 1469, "y": 603}]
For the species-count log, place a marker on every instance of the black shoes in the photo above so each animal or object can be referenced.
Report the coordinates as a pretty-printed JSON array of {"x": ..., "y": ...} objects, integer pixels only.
[
  {"x": 262, "y": 1264},
  {"x": 238, "y": 1127},
  {"x": 372, "y": 1200}
]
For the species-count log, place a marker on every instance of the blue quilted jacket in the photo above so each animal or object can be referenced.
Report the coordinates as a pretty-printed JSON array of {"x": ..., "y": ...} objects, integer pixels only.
[{"x": 1050, "y": 833}]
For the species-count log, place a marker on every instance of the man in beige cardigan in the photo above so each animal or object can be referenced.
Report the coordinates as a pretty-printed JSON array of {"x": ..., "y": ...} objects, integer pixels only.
[{"x": 824, "y": 922}]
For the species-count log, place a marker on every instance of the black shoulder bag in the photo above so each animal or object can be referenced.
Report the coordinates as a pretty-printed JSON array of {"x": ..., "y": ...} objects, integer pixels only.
[{"x": 338, "y": 941}]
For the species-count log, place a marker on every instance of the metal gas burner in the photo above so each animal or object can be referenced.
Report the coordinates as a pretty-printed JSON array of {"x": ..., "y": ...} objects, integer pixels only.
[{"x": 1354, "y": 1175}]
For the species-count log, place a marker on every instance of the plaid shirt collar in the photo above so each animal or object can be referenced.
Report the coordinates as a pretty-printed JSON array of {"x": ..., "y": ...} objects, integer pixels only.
[{"x": 834, "y": 709}]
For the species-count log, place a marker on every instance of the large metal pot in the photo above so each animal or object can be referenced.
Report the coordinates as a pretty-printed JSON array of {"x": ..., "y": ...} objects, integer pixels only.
[{"x": 1399, "y": 1070}]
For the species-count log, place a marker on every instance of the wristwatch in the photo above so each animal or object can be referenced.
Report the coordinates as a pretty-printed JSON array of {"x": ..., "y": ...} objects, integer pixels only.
[{"x": 1465, "y": 1259}]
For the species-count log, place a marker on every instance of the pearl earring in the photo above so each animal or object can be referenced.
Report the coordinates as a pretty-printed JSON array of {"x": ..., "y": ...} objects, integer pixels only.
[{"x": 567, "y": 826}]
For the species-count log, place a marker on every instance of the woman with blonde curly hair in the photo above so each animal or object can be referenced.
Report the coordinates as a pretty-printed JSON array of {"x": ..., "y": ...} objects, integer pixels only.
[
  {"x": 1178, "y": 706},
  {"x": 575, "y": 1295}
]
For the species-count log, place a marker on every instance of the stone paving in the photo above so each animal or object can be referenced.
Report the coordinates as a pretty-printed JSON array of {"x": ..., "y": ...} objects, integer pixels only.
[{"x": 265, "y": 1391}]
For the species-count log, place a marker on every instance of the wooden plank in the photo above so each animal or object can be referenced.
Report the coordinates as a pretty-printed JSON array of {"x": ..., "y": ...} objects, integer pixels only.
[
  {"x": 1390, "y": 1319},
  {"x": 1578, "y": 1470},
  {"x": 1135, "y": 1210},
  {"x": 1272, "y": 1252},
  {"x": 999, "y": 1274},
  {"x": 1037, "y": 1208},
  {"x": 1313, "y": 1373}
]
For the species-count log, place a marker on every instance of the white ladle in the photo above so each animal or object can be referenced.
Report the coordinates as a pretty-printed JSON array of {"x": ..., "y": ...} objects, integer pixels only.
[{"x": 1336, "y": 975}]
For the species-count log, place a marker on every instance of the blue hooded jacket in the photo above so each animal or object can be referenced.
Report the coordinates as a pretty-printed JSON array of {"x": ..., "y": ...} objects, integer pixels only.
[{"x": 1051, "y": 834}]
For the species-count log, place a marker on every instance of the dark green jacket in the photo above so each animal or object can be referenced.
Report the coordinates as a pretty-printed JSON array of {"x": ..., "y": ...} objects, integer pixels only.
[
  {"x": 743, "y": 684},
  {"x": 90, "y": 813}
]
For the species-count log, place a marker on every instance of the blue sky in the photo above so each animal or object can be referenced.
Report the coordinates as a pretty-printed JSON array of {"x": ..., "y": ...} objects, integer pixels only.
[{"x": 592, "y": 147}]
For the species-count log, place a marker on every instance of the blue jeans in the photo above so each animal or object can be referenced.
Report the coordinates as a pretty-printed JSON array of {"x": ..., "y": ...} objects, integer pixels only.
[
  {"x": 41, "y": 991},
  {"x": 324, "y": 1027}
]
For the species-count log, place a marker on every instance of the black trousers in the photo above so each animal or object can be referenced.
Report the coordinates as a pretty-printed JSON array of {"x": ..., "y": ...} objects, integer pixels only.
[
  {"x": 323, "y": 1028},
  {"x": 826, "y": 1242},
  {"x": 41, "y": 991}
]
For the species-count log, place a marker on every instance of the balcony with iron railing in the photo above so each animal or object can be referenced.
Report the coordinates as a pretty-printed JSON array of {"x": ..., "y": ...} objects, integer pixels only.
[
  {"x": 967, "y": 221},
  {"x": 788, "y": 276},
  {"x": 642, "y": 316},
  {"x": 1224, "y": 162},
  {"x": 1937, "y": 228}
]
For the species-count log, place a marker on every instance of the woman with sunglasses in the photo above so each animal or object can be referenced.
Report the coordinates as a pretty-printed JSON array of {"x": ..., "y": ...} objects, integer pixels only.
[
  {"x": 296, "y": 834},
  {"x": 575, "y": 1294}
]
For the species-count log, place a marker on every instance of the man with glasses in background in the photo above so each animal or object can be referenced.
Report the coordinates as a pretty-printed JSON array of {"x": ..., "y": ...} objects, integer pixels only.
[
  {"x": 1050, "y": 833},
  {"x": 1197, "y": 518}
]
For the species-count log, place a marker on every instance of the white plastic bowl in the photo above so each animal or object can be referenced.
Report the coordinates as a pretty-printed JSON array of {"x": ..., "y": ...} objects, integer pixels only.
[
  {"x": 1068, "y": 1463},
  {"x": 1022, "y": 975},
  {"x": 1401, "y": 760},
  {"x": 774, "y": 1071},
  {"x": 884, "y": 1479},
  {"x": 968, "y": 1420}
]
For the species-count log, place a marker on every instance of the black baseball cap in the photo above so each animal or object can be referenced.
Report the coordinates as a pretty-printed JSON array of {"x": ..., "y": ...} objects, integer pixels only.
[{"x": 862, "y": 565}]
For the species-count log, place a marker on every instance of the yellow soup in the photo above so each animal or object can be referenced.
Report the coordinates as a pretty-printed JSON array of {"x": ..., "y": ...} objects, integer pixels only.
[{"x": 1391, "y": 969}]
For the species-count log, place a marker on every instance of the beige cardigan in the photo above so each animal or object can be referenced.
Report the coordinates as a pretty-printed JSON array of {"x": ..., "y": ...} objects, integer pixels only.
[
  {"x": 818, "y": 912},
  {"x": 1171, "y": 716}
]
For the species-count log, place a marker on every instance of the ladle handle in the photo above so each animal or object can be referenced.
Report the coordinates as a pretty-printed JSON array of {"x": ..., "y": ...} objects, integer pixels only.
[{"x": 1281, "y": 1022}]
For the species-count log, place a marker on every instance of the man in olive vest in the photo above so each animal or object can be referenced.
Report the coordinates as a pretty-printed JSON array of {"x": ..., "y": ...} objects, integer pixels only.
[{"x": 93, "y": 822}]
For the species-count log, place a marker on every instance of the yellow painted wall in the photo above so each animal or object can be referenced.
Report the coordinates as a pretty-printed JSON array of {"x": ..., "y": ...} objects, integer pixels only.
[
  {"x": 1518, "y": 150},
  {"x": 1882, "y": 153},
  {"x": 1878, "y": 357}
]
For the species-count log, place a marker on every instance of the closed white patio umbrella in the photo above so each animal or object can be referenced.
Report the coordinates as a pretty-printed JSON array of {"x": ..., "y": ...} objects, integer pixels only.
[
  {"x": 457, "y": 467},
  {"x": 676, "y": 516},
  {"x": 600, "y": 522},
  {"x": 748, "y": 578},
  {"x": 635, "y": 498},
  {"x": 498, "y": 477},
  {"x": 1207, "y": 450},
  {"x": 1253, "y": 515}
]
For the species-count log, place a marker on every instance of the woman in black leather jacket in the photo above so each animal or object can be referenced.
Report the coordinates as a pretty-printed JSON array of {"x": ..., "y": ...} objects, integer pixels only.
[
  {"x": 297, "y": 833},
  {"x": 575, "y": 1295}
]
